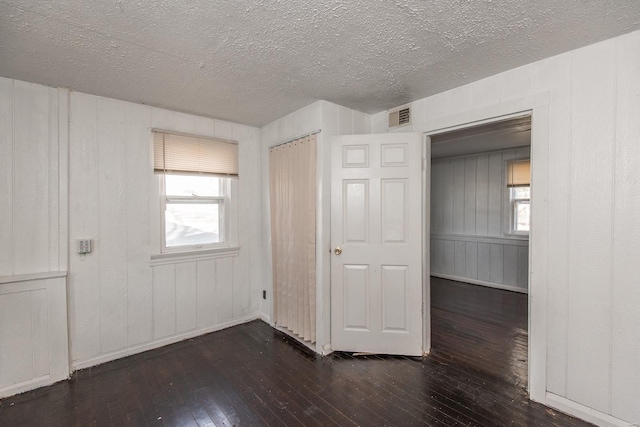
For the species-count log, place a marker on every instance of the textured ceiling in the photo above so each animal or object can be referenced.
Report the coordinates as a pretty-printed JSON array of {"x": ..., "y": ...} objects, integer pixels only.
[{"x": 255, "y": 61}]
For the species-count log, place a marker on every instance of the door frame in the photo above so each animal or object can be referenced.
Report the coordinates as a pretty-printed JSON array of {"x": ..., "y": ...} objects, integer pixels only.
[{"x": 537, "y": 106}]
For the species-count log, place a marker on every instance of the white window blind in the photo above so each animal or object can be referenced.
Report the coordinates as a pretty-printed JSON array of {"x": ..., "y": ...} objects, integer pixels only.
[
  {"x": 519, "y": 173},
  {"x": 187, "y": 154}
]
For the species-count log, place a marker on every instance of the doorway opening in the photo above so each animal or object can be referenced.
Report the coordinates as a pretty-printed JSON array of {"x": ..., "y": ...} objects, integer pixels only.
[{"x": 479, "y": 246}]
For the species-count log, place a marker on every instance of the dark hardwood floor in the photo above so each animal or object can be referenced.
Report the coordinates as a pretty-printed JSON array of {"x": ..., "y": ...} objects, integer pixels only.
[{"x": 253, "y": 375}]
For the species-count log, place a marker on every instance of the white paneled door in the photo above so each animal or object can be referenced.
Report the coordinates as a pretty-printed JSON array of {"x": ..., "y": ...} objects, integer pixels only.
[{"x": 376, "y": 235}]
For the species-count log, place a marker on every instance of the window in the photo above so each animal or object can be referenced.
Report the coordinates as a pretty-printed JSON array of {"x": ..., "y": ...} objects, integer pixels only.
[
  {"x": 519, "y": 185},
  {"x": 194, "y": 211},
  {"x": 198, "y": 178}
]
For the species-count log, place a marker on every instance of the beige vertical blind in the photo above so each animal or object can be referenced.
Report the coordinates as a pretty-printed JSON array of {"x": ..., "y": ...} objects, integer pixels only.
[
  {"x": 519, "y": 173},
  {"x": 180, "y": 153},
  {"x": 292, "y": 185}
]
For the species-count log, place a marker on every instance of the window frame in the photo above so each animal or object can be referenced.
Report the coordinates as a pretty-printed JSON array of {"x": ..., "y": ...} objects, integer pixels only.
[
  {"x": 510, "y": 227},
  {"x": 513, "y": 217},
  {"x": 223, "y": 219},
  {"x": 159, "y": 254}
]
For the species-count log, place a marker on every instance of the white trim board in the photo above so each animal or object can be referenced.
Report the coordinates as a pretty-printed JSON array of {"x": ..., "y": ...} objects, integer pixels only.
[
  {"x": 32, "y": 276},
  {"x": 482, "y": 239},
  {"x": 479, "y": 282},
  {"x": 584, "y": 412},
  {"x": 536, "y": 105},
  {"x": 130, "y": 351},
  {"x": 26, "y": 386}
]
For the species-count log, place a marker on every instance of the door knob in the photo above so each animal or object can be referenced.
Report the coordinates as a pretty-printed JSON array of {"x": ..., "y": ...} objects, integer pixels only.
[{"x": 337, "y": 250}]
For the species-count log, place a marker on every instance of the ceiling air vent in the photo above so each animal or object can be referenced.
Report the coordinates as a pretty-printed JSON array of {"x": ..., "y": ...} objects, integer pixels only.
[{"x": 400, "y": 117}]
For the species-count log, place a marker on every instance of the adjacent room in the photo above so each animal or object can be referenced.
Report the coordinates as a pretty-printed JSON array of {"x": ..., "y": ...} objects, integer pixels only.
[{"x": 319, "y": 213}]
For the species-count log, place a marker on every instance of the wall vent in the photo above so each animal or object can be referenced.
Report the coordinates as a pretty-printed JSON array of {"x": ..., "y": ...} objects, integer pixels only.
[{"x": 400, "y": 116}]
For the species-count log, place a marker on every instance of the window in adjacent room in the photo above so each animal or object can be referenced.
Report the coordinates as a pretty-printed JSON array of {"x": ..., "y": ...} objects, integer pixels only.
[
  {"x": 519, "y": 185},
  {"x": 197, "y": 177}
]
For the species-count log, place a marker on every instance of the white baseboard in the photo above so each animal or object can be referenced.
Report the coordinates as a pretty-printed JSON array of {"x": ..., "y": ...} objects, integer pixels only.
[
  {"x": 583, "y": 412},
  {"x": 479, "y": 282},
  {"x": 266, "y": 319},
  {"x": 326, "y": 349},
  {"x": 26, "y": 386},
  {"x": 108, "y": 357}
]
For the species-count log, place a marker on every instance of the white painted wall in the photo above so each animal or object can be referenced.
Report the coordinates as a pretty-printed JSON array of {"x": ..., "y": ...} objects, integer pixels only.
[
  {"x": 33, "y": 236},
  {"x": 589, "y": 267},
  {"x": 469, "y": 221},
  {"x": 119, "y": 303},
  {"x": 331, "y": 119}
]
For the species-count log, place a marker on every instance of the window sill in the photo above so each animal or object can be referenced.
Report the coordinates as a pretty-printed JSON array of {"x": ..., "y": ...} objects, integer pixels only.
[
  {"x": 175, "y": 257},
  {"x": 514, "y": 235}
]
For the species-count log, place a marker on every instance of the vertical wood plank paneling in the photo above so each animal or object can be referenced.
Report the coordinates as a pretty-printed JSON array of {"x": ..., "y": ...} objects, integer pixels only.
[
  {"x": 53, "y": 183},
  {"x": 523, "y": 267},
  {"x": 31, "y": 177},
  {"x": 497, "y": 263},
  {"x": 256, "y": 274},
  {"x": 435, "y": 106},
  {"x": 57, "y": 328},
  {"x": 496, "y": 190},
  {"x": 516, "y": 83},
  {"x": 380, "y": 122},
  {"x": 510, "y": 265},
  {"x": 162, "y": 119},
  {"x": 301, "y": 119},
  {"x": 16, "y": 360},
  {"x": 6, "y": 177},
  {"x": 485, "y": 92},
  {"x": 184, "y": 122},
  {"x": 418, "y": 111},
  {"x": 63, "y": 184},
  {"x": 593, "y": 100},
  {"x": 460, "y": 258},
  {"x": 206, "y": 291},
  {"x": 345, "y": 120},
  {"x": 84, "y": 272},
  {"x": 625, "y": 342},
  {"x": 359, "y": 122},
  {"x": 477, "y": 182},
  {"x": 164, "y": 300},
  {"x": 205, "y": 126},
  {"x": 186, "y": 296},
  {"x": 484, "y": 262},
  {"x": 458, "y": 100},
  {"x": 112, "y": 222},
  {"x": 470, "y": 195},
  {"x": 449, "y": 257},
  {"x": 224, "y": 129},
  {"x": 447, "y": 198},
  {"x": 471, "y": 258},
  {"x": 224, "y": 289},
  {"x": 137, "y": 171},
  {"x": 482, "y": 194},
  {"x": 437, "y": 255},
  {"x": 458, "y": 196},
  {"x": 554, "y": 74},
  {"x": 241, "y": 285},
  {"x": 40, "y": 334}
]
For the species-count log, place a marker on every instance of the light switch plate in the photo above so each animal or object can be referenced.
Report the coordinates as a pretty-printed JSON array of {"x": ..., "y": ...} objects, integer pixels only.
[{"x": 84, "y": 246}]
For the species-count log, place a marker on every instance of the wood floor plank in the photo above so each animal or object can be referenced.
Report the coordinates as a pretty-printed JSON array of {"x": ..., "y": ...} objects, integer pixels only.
[{"x": 253, "y": 375}]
